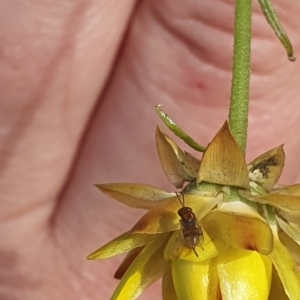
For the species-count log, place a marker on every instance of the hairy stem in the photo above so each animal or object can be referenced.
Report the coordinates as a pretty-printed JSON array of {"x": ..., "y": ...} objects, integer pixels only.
[{"x": 239, "y": 102}]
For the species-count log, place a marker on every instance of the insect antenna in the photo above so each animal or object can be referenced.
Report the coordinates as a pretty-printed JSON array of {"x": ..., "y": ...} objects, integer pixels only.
[
  {"x": 195, "y": 252},
  {"x": 181, "y": 202}
]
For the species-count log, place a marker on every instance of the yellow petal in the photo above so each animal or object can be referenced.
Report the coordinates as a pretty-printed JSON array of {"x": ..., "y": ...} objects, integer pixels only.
[
  {"x": 168, "y": 290},
  {"x": 244, "y": 275},
  {"x": 292, "y": 190},
  {"x": 291, "y": 245},
  {"x": 189, "y": 163},
  {"x": 223, "y": 162},
  {"x": 291, "y": 216},
  {"x": 194, "y": 281},
  {"x": 164, "y": 217},
  {"x": 134, "y": 195},
  {"x": 239, "y": 230},
  {"x": 176, "y": 249},
  {"x": 286, "y": 203},
  {"x": 290, "y": 213},
  {"x": 147, "y": 268},
  {"x": 286, "y": 269},
  {"x": 291, "y": 230},
  {"x": 283, "y": 202},
  {"x": 127, "y": 261},
  {"x": 238, "y": 207},
  {"x": 171, "y": 166},
  {"x": 266, "y": 169},
  {"x": 277, "y": 291},
  {"x": 121, "y": 244},
  {"x": 193, "y": 164},
  {"x": 288, "y": 206}
]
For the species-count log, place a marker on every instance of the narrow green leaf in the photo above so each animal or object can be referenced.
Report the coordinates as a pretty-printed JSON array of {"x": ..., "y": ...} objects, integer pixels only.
[
  {"x": 268, "y": 10},
  {"x": 177, "y": 130}
]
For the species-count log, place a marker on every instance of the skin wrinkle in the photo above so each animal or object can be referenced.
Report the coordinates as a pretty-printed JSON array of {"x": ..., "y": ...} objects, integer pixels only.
[
  {"x": 15, "y": 274},
  {"x": 41, "y": 274},
  {"x": 202, "y": 16},
  {"x": 200, "y": 57},
  {"x": 52, "y": 218},
  {"x": 34, "y": 105},
  {"x": 200, "y": 60},
  {"x": 31, "y": 108},
  {"x": 143, "y": 72},
  {"x": 226, "y": 28},
  {"x": 23, "y": 211},
  {"x": 97, "y": 106},
  {"x": 189, "y": 42}
]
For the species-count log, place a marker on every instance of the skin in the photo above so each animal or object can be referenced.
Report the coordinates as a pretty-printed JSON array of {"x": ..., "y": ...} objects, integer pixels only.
[{"x": 79, "y": 81}]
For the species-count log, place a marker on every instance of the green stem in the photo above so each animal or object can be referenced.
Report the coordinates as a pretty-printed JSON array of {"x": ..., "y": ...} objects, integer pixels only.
[{"x": 238, "y": 111}]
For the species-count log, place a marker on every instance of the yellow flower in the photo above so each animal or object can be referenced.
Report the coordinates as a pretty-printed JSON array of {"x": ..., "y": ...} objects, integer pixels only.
[{"x": 250, "y": 243}]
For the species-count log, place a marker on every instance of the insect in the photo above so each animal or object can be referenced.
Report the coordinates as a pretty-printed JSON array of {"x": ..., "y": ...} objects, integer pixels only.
[{"x": 190, "y": 231}]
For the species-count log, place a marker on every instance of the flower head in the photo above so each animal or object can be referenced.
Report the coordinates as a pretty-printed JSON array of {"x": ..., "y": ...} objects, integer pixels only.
[{"x": 238, "y": 237}]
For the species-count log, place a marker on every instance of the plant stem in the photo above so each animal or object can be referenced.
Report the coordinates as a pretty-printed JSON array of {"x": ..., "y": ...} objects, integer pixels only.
[{"x": 239, "y": 102}]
